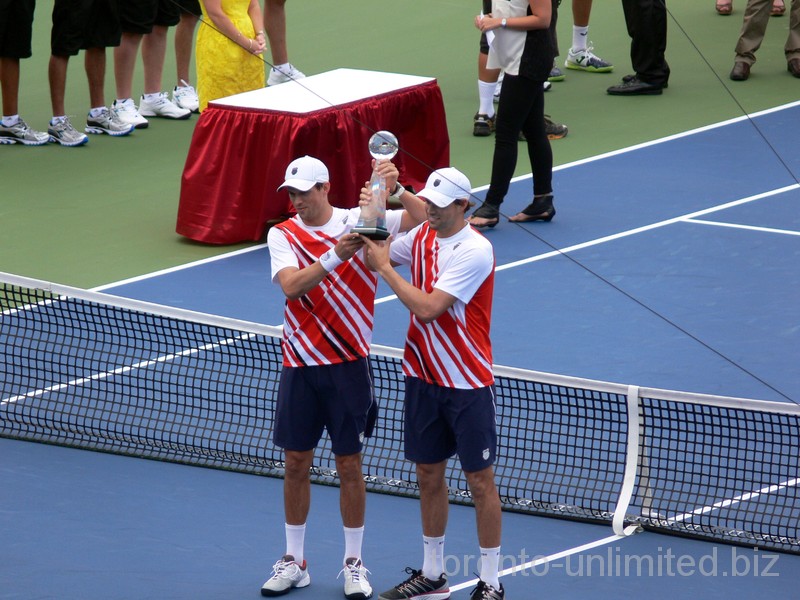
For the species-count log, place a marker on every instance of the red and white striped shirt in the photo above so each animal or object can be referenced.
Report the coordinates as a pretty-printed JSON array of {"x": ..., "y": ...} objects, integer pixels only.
[
  {"x": 454, "y": 350},
  {"x": 332, "y": 323}
]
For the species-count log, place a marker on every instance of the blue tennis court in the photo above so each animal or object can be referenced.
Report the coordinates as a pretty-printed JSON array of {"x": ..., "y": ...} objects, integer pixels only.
[{"x": 661, "y": 270}]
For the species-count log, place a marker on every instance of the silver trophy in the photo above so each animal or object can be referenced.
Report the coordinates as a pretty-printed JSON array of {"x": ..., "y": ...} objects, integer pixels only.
[{"x": 372, "y": 221}]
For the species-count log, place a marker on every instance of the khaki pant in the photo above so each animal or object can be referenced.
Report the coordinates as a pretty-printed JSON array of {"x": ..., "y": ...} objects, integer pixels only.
[{"x": 754, "y": 26}]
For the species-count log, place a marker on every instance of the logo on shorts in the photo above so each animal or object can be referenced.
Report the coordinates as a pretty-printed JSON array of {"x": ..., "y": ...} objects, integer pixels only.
[
  {"x": 361, "y": 437},
  {"x": 486, "y": 454}
]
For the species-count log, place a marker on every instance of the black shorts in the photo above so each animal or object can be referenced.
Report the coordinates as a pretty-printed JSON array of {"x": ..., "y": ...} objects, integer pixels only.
[
  {"x": 82, "y": 24},
  {"x": 190, "y": 6},
  {"x": 337, "y": 397},
  {"x": 487, "y": 8},
  {"x": 16, "y": 26},
  {"x": 440, "y": 422},
  {"x": 140, "y": 16}
]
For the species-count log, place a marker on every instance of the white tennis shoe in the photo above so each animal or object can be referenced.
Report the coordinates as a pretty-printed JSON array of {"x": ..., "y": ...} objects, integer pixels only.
[
  {"x": 356, "y": 584},
  {"x": 286, "y": 574}
]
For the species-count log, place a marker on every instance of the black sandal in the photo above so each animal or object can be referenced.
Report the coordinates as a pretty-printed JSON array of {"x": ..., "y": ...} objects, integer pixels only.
[
  {"x": 490, "y": 212},
  {"x": 541, "y": 209}
]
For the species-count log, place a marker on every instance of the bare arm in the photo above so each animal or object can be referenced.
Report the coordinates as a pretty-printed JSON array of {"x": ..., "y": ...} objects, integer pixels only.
[
  {"x": 426, "y": 307},
  {"x": 227, "y": 28},
  {"x": 295, "y": 282}
]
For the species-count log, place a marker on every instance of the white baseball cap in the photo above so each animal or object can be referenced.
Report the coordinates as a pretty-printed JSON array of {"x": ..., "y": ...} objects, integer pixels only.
[
  {"x": 444, "y": 186},
  {"x": 304, "y": 173}
]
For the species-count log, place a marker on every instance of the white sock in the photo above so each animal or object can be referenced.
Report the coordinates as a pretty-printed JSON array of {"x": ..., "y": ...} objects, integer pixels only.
[
  {"x": 579, "y": 37},
  {"x": 10, "y": 120},
  {"x": 56, "y": 120},
  {"x": 97, "y": 111},
  {"x": 486, "y": 97},
  {"x": 284, "y": 67},
  {"x": 433, "y": 562},
  {"x": 295, "y": 538},
  {"x": 152, "y": 97},
  {"x": 353, "y": 538},
  {"x": 490, "y": 561}
]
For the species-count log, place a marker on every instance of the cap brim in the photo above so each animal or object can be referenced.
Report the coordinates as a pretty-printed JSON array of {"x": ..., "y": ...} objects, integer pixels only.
[
  {"x": 302, "y": 185},
  {"x": 436, "y": 197}
]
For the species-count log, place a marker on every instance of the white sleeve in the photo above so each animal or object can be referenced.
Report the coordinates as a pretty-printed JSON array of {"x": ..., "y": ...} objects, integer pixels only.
[
  {"x": 281, "y": 254},
  {"x": 400, "y": 250},
  {"x": 466, "y": 272}
]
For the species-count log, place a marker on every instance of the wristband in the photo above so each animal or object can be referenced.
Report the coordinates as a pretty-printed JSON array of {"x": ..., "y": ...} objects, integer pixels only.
[
  {"x": 330, "y": 260},
  {"x": 398, "y": 191}
]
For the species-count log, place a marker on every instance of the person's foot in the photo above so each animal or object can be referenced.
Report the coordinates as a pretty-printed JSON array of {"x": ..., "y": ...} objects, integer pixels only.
[
  {"x": 541, "y": 209},
  {"x": 278, "y": 75},
  {"x": 65, "y": 134},
  {"x": 418, "y": 587},
  {"x": 793, "y": 66},
  {"x": 21, "y": 133},
  {"x": 635, "y": 87},
  {"x": 740, "y": 71},
  {"x": 555, "y": 131},
  {"x": 160, "y": 105},
  {"x": 107, "y": 122},
  {"x": 584, "y": 60},
  {"x": 356, "y": 585},
  {"x": 185, "y": 96},
  {"x": 286, "y": 575},
  {"x": 128, "y": 113},
  {"x": 484, "y": 591},
  {"x": 724, "y": 7},
  {"x": 486, "y": 215},
  {"x": 556, "y": 74},
  {"x": 482, "y": 125}
]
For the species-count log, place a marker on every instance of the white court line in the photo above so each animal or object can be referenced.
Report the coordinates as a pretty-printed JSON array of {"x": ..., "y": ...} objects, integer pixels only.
[
  {"x": 634, "y": 231},
  {"x": 481, "y": 188},
  {"x": 542, "y": 560},
  {"x": 737, "y": 226}
]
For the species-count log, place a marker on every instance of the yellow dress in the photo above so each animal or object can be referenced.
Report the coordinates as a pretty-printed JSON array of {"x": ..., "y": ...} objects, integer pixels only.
[{"x": 225, "y": 68}]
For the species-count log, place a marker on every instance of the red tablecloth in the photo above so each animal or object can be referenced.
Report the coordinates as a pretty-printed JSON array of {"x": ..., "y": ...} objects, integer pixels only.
[{"x": 238, "y": 157}]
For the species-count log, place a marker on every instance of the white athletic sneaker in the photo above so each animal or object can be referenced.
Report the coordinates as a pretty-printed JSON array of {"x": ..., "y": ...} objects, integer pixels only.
[
  {"x": 127, "y": 113},
  {"x": 185, "y": 96},
  {"x": 163, "y": 107},
  {"x": 286, "y": 574},
  {"x": 277, "y": 76},
  {"x": 107, "y": 122},
  {"x": 585, "y": 60},
  {"x": 22, "y": 134},
  {"x": 356, "y": 585}
]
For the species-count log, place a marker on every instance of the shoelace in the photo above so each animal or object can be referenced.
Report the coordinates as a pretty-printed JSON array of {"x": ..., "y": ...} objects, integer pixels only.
[
  {"x": 355, "y": 571},
  {"x": 281, "y": 567}
]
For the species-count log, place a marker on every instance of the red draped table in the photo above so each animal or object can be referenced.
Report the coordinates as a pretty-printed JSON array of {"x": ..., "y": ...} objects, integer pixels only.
[{"x": 242, "y": 144}]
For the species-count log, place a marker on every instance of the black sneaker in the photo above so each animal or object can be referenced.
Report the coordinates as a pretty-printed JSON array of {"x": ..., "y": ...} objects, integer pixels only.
[
  {"x": 484, "y": 591},
  {"x": 419, "y": 587},
  {"x": 482, "y": 125},
  {"x": 555, "y": 131}
]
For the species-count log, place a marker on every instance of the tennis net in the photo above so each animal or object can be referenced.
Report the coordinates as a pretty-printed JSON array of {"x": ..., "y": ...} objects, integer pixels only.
[{"x": 107, "y": 373}]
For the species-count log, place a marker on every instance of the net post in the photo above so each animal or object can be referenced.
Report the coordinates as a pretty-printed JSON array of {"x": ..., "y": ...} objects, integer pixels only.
[{"x": 631, "y": 463}]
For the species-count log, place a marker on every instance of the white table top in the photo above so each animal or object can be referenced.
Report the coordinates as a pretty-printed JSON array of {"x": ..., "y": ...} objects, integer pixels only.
[{"x": 316, "y": 92}]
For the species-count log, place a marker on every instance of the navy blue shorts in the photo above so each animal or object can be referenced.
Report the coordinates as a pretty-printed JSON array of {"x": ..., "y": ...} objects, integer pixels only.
[
  {"x": 440, "y": 422},
  {"x": 337, "y": 397}
]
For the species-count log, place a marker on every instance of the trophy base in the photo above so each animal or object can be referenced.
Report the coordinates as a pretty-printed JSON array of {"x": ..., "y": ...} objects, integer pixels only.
[{"x": 373, "y": 233}]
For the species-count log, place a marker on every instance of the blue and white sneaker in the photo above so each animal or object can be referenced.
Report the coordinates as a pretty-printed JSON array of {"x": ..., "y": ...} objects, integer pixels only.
[{"x": 584, "y": 60}]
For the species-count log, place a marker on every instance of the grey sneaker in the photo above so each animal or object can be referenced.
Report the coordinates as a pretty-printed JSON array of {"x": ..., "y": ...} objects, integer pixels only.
[
  {"x": 65, "y": 134},
  {"x": 22, "y": 134},
  {"x": 286, "y": 574},
  {"x": 163, "y": 107},
  {"x": 277, "y": 75},
  {"x": 108, "y": 122}
]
